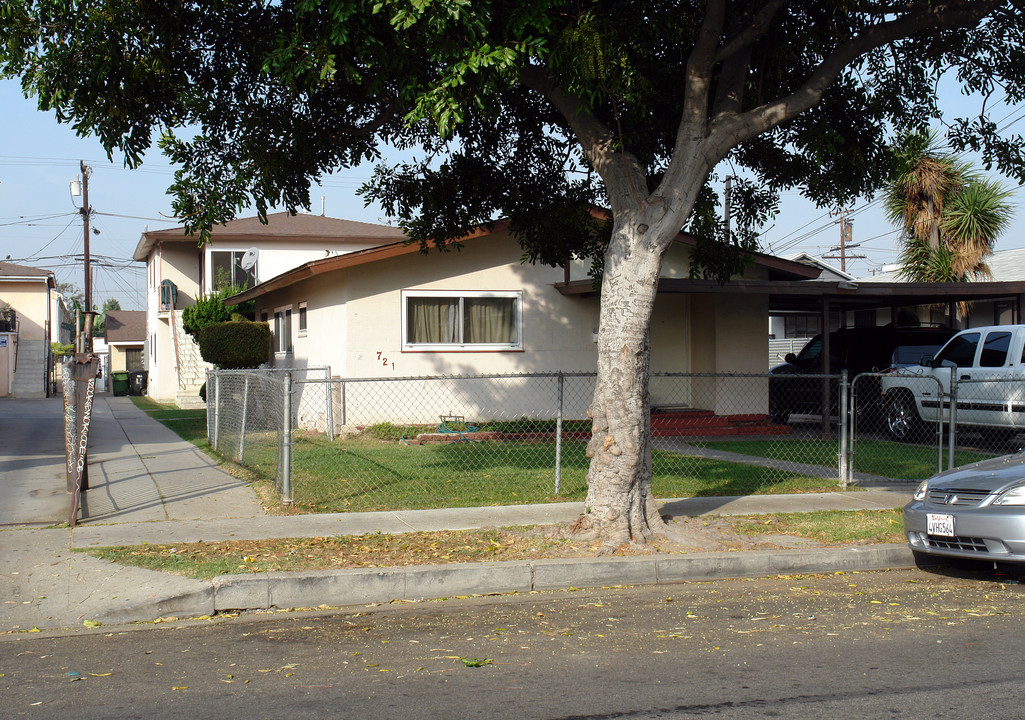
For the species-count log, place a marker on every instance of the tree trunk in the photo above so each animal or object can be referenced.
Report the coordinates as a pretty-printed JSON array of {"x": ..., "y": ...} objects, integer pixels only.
[{"x": 620, "y": 507}]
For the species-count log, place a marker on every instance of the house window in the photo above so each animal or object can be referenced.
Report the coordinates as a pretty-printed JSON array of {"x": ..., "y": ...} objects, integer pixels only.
[
  {"x": 801, "y": 326},
  {"x": 263, "y": 316},
  {"x": 226, "y": 269},
  {"x": 133, "y": 359},
  {"x": 283, "y": 330},
  {"x": 302, "y": 319},
  {"x": 439, "y": 320}
]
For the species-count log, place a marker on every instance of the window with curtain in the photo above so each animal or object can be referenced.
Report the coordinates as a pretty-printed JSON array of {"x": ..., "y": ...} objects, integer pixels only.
[{"x": 451, "y": 321}]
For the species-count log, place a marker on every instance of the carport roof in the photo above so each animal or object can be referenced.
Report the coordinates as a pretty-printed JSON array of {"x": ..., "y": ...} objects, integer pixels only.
[{"x": 807, "y": 296}]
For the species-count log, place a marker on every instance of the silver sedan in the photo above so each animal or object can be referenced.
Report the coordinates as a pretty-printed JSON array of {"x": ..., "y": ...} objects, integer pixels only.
[{"x": 975, "y": 511}]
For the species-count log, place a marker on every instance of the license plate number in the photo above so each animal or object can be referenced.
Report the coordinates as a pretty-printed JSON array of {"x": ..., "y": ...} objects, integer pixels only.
[{"x": 937, "y": 524}]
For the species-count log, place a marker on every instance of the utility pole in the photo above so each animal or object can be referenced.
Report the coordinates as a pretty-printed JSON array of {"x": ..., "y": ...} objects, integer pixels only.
[
  {"x": 727, "y": 196},
  {"x": 846, "y": 235},
  {"x": 90, "y": 316}
]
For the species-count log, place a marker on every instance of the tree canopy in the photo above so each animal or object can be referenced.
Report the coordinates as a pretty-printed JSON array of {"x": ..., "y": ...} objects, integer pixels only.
[{"x": 535, "y": 112}]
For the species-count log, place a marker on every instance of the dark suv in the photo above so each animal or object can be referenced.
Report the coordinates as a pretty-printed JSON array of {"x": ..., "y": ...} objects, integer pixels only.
[{"x": 856, "y": 350}]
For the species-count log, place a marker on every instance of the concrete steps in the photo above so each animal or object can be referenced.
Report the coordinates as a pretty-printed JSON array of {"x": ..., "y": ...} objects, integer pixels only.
[{"x": 686, "y": 423}]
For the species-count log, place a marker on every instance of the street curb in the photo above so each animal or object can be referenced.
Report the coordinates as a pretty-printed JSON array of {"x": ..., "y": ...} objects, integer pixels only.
[{"x": 337, "y": 588}]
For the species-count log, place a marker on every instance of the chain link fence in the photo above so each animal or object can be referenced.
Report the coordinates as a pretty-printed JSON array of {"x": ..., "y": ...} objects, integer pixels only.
[{"x": 334, "y": 445}]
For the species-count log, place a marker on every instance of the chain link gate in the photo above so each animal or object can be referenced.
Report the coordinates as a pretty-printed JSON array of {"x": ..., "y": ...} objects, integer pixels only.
[{"x": 890, "y": 425}]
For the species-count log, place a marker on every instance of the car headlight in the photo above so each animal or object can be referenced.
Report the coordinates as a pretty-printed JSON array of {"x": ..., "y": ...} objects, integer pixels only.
[
  {"x": 1012, "y": 496},
  {"x": 921, "y": 490}
]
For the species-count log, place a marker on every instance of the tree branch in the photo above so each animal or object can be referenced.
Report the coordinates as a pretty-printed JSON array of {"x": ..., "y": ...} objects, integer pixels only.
[
  {"x": 699, "y": 68},
  {"x": 732, "y": 130},
  {"x": 597, "y": 141},
  {"x": 752, "y": 32}
]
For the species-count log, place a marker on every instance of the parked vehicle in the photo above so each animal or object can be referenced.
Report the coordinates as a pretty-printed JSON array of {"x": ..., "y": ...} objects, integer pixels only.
[
  {"x": 976, "y": 511},
  {"x": 856, "y": 350},
  {"x": 989, "y": 366}
]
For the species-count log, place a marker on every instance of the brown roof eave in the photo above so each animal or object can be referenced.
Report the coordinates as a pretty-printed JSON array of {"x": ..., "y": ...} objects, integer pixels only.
[{"x": 341, "y": 262}]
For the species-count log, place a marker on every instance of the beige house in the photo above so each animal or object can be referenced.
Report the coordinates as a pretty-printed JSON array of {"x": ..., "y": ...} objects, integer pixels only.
[
  {"x": 26, "y": 324},
  {"x": 243, "y": 252},
  {"x": 125, "y": 335},
  {"x": 392, "y": 311}
]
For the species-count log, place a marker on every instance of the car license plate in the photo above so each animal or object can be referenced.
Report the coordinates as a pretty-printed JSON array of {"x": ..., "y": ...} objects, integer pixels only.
[{"x": 937, "y": 524}]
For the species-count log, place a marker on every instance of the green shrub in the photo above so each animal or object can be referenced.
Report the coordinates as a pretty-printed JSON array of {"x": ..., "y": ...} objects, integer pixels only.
[
  {"x": 211, "y": 309},
  {"x": 233, "y": 345}
]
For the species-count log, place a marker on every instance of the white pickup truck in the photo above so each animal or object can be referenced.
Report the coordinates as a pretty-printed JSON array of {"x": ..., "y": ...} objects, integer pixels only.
[{"x": 989, "y": 369}]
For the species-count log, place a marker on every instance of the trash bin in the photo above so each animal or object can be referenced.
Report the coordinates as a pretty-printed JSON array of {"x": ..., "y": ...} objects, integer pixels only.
[
  {"x": 137, "y": 380},
  {"x": 119, "y": 382}
]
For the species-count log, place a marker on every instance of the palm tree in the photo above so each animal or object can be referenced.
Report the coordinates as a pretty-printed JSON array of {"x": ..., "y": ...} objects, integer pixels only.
[{"x": 950, "y": 215}]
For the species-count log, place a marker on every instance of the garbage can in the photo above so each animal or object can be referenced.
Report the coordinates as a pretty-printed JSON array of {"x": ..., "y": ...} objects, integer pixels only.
[
  {"x": 119, "y": 382},
  {"x": 137, "y": 380}
]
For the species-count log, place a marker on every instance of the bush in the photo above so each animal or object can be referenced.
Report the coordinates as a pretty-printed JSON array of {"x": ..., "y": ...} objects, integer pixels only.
[
  {"x": 233, "y": 345},
  {"x": 211, "y": 309}
]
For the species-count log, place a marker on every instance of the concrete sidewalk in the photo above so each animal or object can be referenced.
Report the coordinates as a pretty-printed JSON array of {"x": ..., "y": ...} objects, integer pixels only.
[{"x": 147, "y": 485}]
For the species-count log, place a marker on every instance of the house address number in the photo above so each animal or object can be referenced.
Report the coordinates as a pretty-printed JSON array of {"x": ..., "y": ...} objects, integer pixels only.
[{"x": 384, "y": 360}]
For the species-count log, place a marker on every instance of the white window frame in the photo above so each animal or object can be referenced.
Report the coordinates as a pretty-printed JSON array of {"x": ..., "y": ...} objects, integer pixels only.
[
  {"x": 284, "y": 310},
  {"x": 303, "y": 321},
  {"x": 460, "y": 295}
]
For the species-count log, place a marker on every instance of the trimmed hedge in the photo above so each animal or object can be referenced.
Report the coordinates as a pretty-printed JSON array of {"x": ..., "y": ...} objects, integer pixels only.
[{"x": 233, "y": 345}]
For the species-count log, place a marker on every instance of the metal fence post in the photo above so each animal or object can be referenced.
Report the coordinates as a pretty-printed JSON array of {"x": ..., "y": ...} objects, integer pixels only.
[
  {"x": 242, "y": 431},
  {"x": 209, "y": 415},
  {"x": 329, "y": 393},
  {"x": 286, "y": 442},
  {"x": 843, "y": 411},
  {"x": 217, "y": 411},
  {"x": 342, "y": 398},
  {"x": 952, "y": 427},
  {"x": 558, "y": 437}
]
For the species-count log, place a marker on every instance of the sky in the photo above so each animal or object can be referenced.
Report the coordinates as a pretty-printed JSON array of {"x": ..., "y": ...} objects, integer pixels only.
[{"x": 41, "y": 226}]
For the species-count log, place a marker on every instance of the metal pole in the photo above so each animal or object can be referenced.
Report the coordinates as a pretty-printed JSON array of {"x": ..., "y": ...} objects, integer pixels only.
[
  {"x": 345, "y": 419},
  {"x": 952, "y": 426},
  {"x": 242, "y": 432},
  {"x": 286, "y": 443},
  {"x": 842, "y": 412},
  {"x": 329, "y": 386},
  {"x": 558, "y": 439}
]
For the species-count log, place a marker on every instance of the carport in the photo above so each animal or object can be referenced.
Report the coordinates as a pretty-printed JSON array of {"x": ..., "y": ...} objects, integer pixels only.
[{"x": 788, "y": 296}]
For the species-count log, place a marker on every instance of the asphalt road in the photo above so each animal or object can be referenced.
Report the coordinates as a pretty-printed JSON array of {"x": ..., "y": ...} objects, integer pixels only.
[{"x": 897, "y": 644}]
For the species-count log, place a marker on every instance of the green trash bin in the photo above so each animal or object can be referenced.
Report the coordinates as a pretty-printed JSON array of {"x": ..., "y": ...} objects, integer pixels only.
[{"x": 119, "y": 382}]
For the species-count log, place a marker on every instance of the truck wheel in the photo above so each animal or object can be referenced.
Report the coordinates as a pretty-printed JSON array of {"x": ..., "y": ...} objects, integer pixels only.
[
  {"x": 902, "y": 419},
  {"x": 779, "y": 414}
]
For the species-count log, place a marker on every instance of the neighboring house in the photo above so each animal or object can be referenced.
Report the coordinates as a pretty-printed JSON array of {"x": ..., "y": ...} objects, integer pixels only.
[
  {"x": 26, "y": 323},
  {"x": 126, "y": 340},
  {"x": 392, "y": 311},
  {"x": 178, "y": 272}
]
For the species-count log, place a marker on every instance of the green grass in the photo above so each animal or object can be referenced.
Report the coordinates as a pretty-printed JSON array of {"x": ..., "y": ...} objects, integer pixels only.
[
  {"x": 188, "y": 424},
  {"x": 828, "y": 526},
  {"x": 877, "y": 457},
  {"x": 367, "y": 474}
]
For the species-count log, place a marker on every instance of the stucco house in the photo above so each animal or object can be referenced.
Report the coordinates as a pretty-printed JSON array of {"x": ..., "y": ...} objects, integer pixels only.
[
  {"x": 392, "y": 311},
  {"x": 125, "y": 335},
  {"x": 243, "y": 252},
  {"x": 26, "y": 324}
]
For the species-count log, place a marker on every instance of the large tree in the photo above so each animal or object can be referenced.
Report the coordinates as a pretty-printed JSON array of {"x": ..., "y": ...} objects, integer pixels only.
[{"x": 534, "y": 112}]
